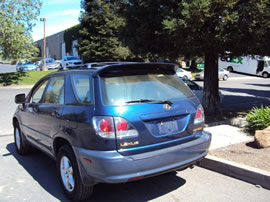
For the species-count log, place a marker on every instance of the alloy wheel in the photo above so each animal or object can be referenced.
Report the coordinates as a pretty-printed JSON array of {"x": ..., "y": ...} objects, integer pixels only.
[{"x": 66, "y": 171}]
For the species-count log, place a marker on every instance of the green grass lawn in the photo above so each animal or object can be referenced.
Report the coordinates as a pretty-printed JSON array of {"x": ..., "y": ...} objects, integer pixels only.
[{"x": 22, "y": 78}]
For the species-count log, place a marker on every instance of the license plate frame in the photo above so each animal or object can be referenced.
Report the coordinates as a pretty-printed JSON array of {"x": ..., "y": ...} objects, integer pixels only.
[{"x": 167, "y": 127}]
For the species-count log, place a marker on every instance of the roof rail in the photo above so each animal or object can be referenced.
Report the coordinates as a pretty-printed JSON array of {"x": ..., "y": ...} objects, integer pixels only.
[{"x": 94, "y": 65}]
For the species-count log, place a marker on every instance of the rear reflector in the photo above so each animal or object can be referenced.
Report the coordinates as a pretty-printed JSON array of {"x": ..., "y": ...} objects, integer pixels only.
[
  {"x": 135, "y": 178},
  {"x": 86, "y": 160}
]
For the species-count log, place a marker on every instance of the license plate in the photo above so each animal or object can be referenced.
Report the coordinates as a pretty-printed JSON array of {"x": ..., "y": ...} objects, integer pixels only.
[{"x": 168, "y": 127}]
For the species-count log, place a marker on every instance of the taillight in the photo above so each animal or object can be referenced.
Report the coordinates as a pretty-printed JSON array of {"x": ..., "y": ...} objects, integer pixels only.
[
  {"x": 199, "y": 117},
  {"x": 104, "y": 126},
  {"x": 121, "y": 125},
  {"x": 124, "y": 129},
  {"x": 111, "y": 127}
]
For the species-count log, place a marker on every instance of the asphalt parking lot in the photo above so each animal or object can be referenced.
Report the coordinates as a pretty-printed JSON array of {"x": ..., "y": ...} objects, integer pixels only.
[{"x": 33, "y": 177}]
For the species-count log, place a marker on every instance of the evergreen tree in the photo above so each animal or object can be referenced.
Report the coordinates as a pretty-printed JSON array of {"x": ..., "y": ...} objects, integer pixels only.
[
  {"x": 199, "y": 28},
  {"x": 100, "y": 25}
]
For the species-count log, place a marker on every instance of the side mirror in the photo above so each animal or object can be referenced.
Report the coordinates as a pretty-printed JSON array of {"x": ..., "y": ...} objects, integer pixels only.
[{"x": 20, "y": 99}]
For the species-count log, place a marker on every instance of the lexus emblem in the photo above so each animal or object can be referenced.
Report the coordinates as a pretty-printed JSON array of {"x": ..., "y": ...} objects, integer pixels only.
[{"x": 167, "y": 106}]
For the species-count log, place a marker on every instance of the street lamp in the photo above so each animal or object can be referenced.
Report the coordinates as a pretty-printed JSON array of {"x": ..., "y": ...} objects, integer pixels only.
[{"x": 44, "y": 68}]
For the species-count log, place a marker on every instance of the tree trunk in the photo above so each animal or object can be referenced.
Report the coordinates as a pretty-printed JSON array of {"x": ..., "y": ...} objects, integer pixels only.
[
  {"x": 211, "y": 100},
  {"x": 193, "y": 66}
]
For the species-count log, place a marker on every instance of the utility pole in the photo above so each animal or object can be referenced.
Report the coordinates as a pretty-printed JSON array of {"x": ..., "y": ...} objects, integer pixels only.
[{"x": 44, "y": 68}]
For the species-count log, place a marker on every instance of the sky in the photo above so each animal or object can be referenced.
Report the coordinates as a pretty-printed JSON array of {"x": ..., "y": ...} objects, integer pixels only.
[{"x": 59, "y": 14}]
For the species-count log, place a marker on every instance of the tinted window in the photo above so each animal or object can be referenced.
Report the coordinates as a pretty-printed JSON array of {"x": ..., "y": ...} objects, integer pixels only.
[
  {"x": 82, "y": 88},
  {"x": 37, "y": 96},
  {"x": 121, "y": 89},
  {"x": 192, "y": 85},
  {"x": 72, "y": 58},
  {"x": 55, "y": 91}
]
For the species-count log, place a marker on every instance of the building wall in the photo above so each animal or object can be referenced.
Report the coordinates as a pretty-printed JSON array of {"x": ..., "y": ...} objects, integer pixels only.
[{"x": 56, "y": 47}]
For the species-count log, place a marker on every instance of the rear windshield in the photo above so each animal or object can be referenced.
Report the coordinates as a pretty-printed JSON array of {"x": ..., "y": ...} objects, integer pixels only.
[{"x": 121, "y": 89}]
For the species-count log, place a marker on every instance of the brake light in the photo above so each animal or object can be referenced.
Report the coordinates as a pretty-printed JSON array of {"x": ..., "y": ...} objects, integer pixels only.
[
  {"x": 106, "y": 125},
  {"x": 199, "y": 117},
  {"x": 111, "y": 127}
]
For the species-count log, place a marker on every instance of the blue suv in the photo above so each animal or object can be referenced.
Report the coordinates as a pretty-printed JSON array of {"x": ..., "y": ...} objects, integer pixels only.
[{"x": 113, "y": 124}]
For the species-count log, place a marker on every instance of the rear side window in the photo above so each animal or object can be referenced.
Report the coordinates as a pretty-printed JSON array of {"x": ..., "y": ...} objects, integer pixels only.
[
  {"x": 55, "y": 91},
  {"x": 82, "y": 86},
  {"x": 121, "y": 89}
]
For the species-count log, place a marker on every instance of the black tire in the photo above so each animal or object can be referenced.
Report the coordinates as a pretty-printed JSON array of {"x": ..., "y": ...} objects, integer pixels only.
[
  {"x": 75, "y": 190},
  {"x": 22, "y": 147},
  {"x": 230, "y": 69},
  {"x": 265, "y": 75},
  {"x": 225, "y": 77},
  {"x": 185, "y": 78}
]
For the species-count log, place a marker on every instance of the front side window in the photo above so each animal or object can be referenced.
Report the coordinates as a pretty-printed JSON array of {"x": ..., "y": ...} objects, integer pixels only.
[
  {"x": 37, "y": 96},
  {"x": 55, "y": 91},
  {"x": 82, "y": 88},
  {"x": 122, "y": 89}
]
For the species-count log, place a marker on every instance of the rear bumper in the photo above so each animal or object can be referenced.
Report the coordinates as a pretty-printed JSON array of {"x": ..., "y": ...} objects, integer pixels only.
[{"x": 112, "y": 167}]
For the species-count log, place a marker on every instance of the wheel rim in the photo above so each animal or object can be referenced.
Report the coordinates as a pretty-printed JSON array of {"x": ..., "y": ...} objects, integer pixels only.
[
  {"x": 265, "y": 75},
  {"x": 67, "y": 174},
  {"x": 18, "y": 138}
]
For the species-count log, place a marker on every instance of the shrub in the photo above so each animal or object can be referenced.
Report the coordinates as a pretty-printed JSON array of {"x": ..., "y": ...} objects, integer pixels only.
[{"x": 258, "y": 118}]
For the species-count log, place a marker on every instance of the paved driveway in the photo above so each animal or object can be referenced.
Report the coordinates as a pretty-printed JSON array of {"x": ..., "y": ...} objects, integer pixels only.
[
  {"x": 4, "y": 68},
  {"x": 33, "y": 177}
]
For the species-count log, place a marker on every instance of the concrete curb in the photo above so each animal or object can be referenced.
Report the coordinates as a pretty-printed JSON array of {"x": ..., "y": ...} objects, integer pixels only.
[{"x": 248, "y": 174}]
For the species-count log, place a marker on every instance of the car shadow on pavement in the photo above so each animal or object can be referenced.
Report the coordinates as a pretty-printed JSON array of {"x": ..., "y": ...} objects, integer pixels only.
[
  {"x": 243, "y": 102},
  {"x": 43, "y": 169}
]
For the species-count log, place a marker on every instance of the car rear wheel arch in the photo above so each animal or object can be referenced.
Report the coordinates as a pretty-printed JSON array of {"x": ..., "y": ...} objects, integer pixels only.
[
  {"x": 230, "y": 69},
  {"x": 58, "y": 143}
]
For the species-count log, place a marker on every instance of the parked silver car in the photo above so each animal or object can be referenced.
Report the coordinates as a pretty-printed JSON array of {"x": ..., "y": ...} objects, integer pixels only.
[
  {"x": 50, "y": 63},
  {"x": 222, "y": 74}
]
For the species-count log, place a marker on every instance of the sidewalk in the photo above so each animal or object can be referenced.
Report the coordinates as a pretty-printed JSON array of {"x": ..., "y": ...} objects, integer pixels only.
[{"x": 224, "y": 135}]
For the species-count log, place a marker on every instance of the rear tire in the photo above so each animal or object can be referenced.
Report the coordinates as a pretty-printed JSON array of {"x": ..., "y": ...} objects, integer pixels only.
[
  {"x": 69, "y": 175},
  {"x": 230, "y": 69},
  {"x": 265, "y": 75},
  {"x": 22, "y": 147}
]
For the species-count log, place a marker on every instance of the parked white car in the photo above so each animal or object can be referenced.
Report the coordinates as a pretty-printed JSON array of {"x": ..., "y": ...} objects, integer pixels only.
[
  {"x": 71, "y": 62},
  {"x": 183, "y": 74}
]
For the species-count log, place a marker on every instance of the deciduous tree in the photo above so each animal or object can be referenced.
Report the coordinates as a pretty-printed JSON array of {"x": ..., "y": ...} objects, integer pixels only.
[{"x": 16, "y": 22}]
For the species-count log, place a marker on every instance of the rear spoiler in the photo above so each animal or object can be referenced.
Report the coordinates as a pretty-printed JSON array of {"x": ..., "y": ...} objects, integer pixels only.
[{"x": 135, "y": 68}]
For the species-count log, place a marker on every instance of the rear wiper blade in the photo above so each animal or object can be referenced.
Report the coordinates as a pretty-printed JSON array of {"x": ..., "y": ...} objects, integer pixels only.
[{"x": 150, "y": 101}]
